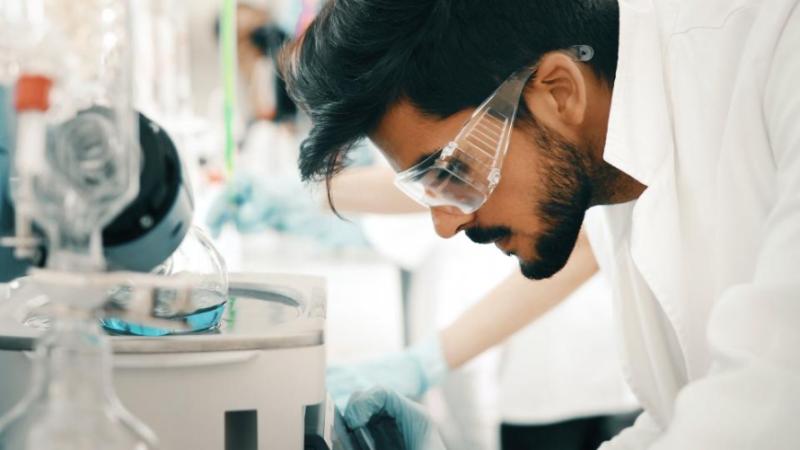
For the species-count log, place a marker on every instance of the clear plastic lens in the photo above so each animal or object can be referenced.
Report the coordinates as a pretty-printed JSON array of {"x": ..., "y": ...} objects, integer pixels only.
[
  {"x": 466, "y": 172},
  {"x": 444, "y": 184}
]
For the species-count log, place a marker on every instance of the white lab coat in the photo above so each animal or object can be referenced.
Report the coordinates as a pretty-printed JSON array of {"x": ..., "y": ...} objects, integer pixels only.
[{"x": 706, "y": 263}]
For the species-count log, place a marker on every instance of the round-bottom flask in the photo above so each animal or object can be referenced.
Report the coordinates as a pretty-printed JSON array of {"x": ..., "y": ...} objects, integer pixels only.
[{"x": 196, "y": 256}]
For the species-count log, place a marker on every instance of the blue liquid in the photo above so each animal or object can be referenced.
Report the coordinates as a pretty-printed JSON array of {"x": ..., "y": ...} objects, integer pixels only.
[{"x": 203, "y": 320}]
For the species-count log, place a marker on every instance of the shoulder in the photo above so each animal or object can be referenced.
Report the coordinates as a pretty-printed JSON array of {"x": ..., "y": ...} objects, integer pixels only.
[{"x": 709, "y": 15}]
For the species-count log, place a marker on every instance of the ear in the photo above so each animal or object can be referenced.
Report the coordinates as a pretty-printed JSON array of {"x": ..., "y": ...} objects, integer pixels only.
[{"x": 558, "y": 95}]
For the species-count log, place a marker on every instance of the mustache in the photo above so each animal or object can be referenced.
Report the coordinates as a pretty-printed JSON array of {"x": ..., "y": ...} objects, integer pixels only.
[{"x": 487, "y": 235}]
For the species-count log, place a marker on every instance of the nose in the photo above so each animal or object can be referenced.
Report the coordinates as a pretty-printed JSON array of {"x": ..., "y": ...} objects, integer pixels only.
[{"x": 448, "y": 221}]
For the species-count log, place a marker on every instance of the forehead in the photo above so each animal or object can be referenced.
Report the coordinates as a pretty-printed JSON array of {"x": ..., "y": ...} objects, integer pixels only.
[{"x": 405, "y": 134}]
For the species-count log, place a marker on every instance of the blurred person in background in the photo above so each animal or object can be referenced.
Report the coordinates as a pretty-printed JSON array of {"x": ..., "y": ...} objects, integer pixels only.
[
  {"x": 259, "y": 39},
  {"x": 266, "y": 192}
]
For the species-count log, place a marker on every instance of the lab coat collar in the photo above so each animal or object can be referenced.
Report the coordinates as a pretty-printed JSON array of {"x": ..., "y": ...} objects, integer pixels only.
[
  {"x": 640, "y": 142},
  {"x": 639, "y": 136}
]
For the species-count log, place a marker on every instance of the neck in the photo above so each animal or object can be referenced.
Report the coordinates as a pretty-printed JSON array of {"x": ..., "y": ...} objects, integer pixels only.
[
  {"x": 609, "y": 184},
  {"x": 612, "y": 186}
]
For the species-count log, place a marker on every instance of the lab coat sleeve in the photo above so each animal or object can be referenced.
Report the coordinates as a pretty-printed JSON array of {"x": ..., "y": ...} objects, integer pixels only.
[{"x": 751, "y": 398}]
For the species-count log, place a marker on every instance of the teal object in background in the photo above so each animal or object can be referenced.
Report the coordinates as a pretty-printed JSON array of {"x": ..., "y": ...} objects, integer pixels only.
[
  {"x": 10, "y": 267},
  {"x": 5, "y": 117},
  {"x": 282, "y": 205},
  {"x": 416, "y": 427},
  {"x": 410, "y": 372}
]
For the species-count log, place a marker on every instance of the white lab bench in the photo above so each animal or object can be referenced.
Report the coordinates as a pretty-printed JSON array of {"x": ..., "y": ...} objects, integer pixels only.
[{"x": 364, "y": 316}]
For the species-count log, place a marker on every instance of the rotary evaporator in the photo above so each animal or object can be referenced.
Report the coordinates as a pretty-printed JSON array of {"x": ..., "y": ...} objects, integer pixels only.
[{"x": 119, "y": 325}]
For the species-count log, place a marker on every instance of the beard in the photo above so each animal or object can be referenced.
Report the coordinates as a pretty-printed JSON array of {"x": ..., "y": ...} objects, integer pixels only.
[{"x": 566, "y": 195}]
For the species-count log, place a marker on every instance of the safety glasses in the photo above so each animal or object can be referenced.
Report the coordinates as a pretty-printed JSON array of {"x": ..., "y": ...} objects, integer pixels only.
[{"x": 464, "y": 173}]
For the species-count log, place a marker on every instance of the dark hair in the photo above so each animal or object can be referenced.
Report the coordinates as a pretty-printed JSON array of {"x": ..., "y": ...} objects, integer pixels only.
[
  {"x": 269, "y": 39},
  {"x": 359, "y": 57}
]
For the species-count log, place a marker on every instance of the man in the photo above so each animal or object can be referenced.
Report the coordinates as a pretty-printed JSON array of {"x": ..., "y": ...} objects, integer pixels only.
[{"x": 682, "y": 116}]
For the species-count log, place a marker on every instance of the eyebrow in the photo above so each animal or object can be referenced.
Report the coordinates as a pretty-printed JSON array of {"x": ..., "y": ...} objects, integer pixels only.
[{"x": 427, "y": 155}]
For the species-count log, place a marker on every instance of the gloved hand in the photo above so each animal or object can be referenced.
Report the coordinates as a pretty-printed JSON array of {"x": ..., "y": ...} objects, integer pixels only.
[
  {"x": 410, "y": 372},
  {"x": 419, "y": 432},
  {"x": 283, "y": 205}
]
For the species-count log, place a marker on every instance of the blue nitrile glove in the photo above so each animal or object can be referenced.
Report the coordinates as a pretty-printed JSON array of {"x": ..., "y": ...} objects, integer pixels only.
[
  {"x": 417, "y": 429},
  {"x": 410, "y": 372},
  {"x": 280, "y": 204}
]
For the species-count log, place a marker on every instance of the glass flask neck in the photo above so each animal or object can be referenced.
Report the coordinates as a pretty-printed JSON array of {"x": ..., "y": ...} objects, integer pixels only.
[
  {"x": 75, "y": 252},
  {"x": 75, "y": 361},
  {"x": 71, "y": 404}
]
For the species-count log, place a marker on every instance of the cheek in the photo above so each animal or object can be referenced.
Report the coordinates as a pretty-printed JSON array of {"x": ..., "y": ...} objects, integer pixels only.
[{"x": 516, "y": 199}]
